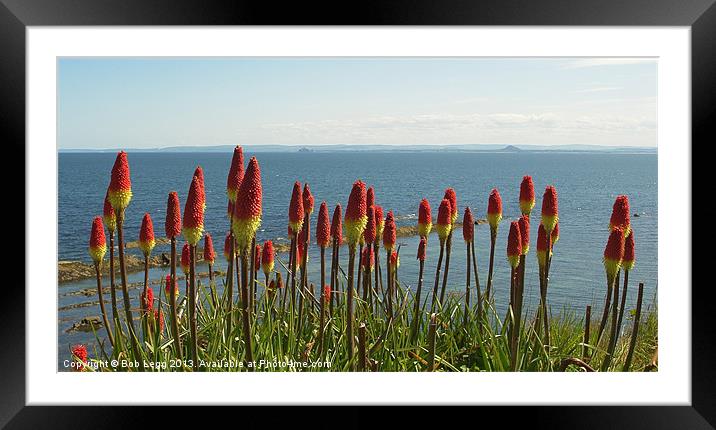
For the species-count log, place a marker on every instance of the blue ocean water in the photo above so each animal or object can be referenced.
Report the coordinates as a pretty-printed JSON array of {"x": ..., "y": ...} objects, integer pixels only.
[{"x": 587, "y": 184}]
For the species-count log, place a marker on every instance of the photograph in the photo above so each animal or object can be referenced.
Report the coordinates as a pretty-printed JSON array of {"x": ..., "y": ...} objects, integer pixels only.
[{"x": 357, "y": 214}]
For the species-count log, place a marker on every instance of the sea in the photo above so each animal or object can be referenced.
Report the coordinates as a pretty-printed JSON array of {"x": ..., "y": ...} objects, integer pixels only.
[{"x": 587, "y": 184}]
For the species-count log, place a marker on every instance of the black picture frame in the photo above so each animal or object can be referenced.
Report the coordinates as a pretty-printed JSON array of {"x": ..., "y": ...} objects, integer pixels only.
[{"x": 16, "y": 15}]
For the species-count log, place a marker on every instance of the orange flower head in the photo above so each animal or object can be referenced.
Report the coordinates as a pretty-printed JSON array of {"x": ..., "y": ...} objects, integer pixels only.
[
  {"x": 379, "y": 222},
  {"x": 494, "y": 209},
  {"x": 550, "y": 213},
  {"x": 97, "y": 242},
  {"x": 199, "y": 173},
  {"x": 146, "y": 235},
  {"x": 367, "y": 258},
  {"x": 524, "y": 223},
  {"x": 147, "y": 300},
  {"x": 356, "y": 213},
  {"x": 209, "y": 254},
  {"x": 468, "y": 226},
  {"x": 542, "y": 246},
  {"x": 421, "y": 248},
  {"x": 185, "y": 261},
  {"x": 527, "y": 195},
  {"x": 236, "y": 174},
  {"x": 389, "y": 232},
  {"x": 614, "y": 253},
  {"x": 228, "y": 247},
  {"x": 308, "y": 200},
  {"x": 452, "y": 197},
  {"x": 172, "y": 223},
  {"x": 369, "y": 232},
  {"x": 248, "y": 207},
  {"x": 257, "y": 257},
  {"x": 370, "y": 197},
  {"x": 444, "y": 224},
  {"x": 323, "y": 227},
  {"x": 336, "y": 227},
  {"x": 295, "y": 209},
  {"x": 327, "y": 293},
  {"x": 80, "y": 352},
  {"x": 425, "y": 218},
  {"x": 555, "y": 234},
  {"x": 514, "y": 245},
  {"x": 193, "y": 222},
  {"x": 167, "y": 286},
  {"x": 267, "y": 257},
  {"x": 120, "y": 186},
  {"x": 620, "y": 215},
  {"x": 394, "y": 261},
  {"x": 110, "y": 218},
  {"x": 629, "y": 256},
  {"x": 159, "y": 316}
]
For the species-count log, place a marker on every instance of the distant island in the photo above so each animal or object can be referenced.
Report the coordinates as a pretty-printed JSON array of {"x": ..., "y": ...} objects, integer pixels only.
[{"x": 389, "y": 148}]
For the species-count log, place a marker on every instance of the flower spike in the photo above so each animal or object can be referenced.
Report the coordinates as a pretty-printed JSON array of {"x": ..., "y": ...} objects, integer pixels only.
[
  {"x": 379, "y": 221},
  {"x": 236, "y": 174},
  {"x": 550, "y": 213},
  {"x": 620, "y": 215},
  {"x": 97, "y": 243},
  {"x": 172, "y": 223},
  {"x": 468, "y": 226},
  {"x": 389, "y": 232},
  {"x": 228, "y": 247},
  {"x": 452, "y": 197},
  {"x": 193, "y": 222},
  {"x": 494, "y": 209},
  {"x": 614, "y": 253},
  {"x": 308, "y": 200},
  {"x": 514, "y": 244},
  {"x": 120, "y": 187},
  {"x": 248, "y": 208},
  {"x": 323, "y": 227},
  {"x": 629, "y": 255},
  {"x": 295, "y": 209},
  {"x": 421, "y": 249},
  {"x": 267, "y": 257},
  {"x": 527, "y": 195},
  {"x": 444, "y": 224},
  {"x": 524, "y": 224},
  {"x": 425, "y": 219},
  {"x": 356, "y": 213},
  {"x": 209, "y": 254},
  {"x": 336, "y": 227},
  {"x": 369, "y": 232},
  {"x": 108, "y": 215},
  {"x": 146, "y": 235}
]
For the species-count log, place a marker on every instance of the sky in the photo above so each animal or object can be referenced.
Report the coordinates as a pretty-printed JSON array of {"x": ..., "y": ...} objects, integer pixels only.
[{"x": 111, "y": 103}]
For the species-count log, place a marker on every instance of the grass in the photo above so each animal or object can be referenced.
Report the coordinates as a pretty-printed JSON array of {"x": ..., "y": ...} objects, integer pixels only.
[{"x": 481, "y": 345}]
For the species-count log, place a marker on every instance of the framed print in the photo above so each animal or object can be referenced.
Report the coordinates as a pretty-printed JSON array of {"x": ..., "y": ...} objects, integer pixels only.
[{"x": 311, "y": 213}]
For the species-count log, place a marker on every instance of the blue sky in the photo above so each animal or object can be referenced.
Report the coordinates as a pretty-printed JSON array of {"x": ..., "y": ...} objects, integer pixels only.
[{"x": 153, "y": 103}]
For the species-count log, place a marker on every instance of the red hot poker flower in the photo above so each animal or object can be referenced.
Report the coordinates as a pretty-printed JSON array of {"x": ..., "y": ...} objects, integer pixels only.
[
  {"x": 389, "y": 232},
  {"x": 172, "y": 224},
  {"x": 120, "y": 186},
  {"x": 425, "y": 218},
  {"x": 356, "y": 213},
  {"x": 185, "y": 258},
  {"x": 370, "y": 197},
  {"x": 629, "y": 255},
  {"x": 444, "y": 224},
  {"x": 199, "y": 173},
  {"x": 542, "y": 246},
  {"x": 323, "y": 227},
  {"x": 193, "y": 222},
  {"x": 147, "y": 300},
  {"x": 295, "y": 209},
  {"x": 524, "y": 223},
  {"x": 248, "y": 208},
  {"x": 394, "y": 261},
  {"x": 336, "y": 227},
  {"x": 327, "y": 293},
  {"x": 146, "y": 235},
  {"x": 159, "y": 316},
  {"x": 236, "y": 174},
  {"x": 369, "y": 232},
  {"x": 209, "y": 254},
  {"x": 514, "y": 244},
  {"x": 228, "y": 247},
  {"x": 257, "y": 257},
  {"x": 367, "y": 258},
  {"x": 308, "y": 200},
  {"x": 97, "y": 242},
  {"x": 80, "y": 352},
  {"x": 468, "y": 226},
  {"x": 267, "y": 257},
  {"x": 550, "y": 213},
  {"x": 109, "y": 217},
  {"x": 555, "y": 234},
  {"x": 379, "y": 221},
  {"x": 421, "y": 249},
  {"x": 494, "y": 209},
  {"x": 167, "y": 286},
  {"x": 620, "y": 215},
  {"x": 452, "y": 197},
  {"x": 614, "y": 253},
  {"x": 527, "y": 195}
]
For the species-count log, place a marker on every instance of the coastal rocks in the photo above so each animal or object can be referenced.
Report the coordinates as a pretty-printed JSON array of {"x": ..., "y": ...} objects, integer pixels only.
[{"x": 87, "y": 324}]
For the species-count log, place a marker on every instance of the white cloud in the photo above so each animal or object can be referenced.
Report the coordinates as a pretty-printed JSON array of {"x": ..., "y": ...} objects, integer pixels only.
[{"x": 507, "y": 127}]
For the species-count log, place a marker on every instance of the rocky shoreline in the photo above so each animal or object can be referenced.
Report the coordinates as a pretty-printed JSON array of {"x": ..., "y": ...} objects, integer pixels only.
[{"x": 69, "y": 271}]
